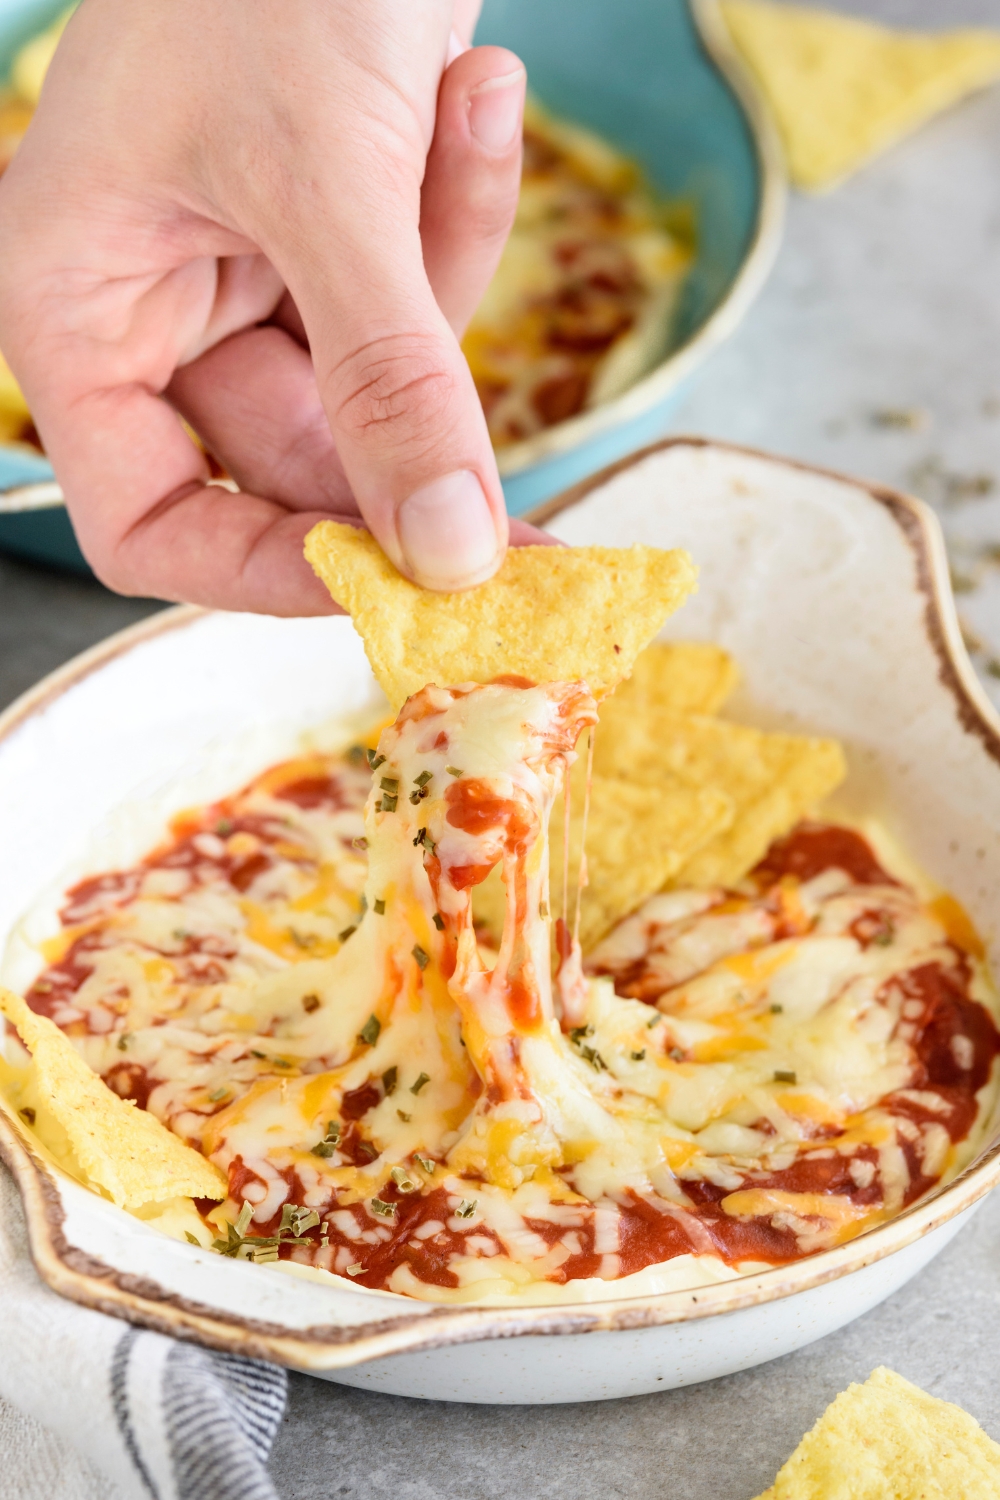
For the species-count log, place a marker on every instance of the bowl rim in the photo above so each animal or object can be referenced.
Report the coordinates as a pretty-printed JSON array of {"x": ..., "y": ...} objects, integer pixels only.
[{"x": 92, "y": 1282}]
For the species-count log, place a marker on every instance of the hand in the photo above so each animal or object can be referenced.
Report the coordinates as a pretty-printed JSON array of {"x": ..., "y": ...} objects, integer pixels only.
[{"x": 274, "y": 219}]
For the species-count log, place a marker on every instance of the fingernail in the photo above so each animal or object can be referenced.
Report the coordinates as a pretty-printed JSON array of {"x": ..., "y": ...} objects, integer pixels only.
[
  {"x": 495, "y": 111},
  {"x": 447, "y": 533}
]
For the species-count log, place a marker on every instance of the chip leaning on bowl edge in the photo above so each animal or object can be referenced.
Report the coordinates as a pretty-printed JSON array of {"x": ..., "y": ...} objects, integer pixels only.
[{"x": 116, "y": 1146}]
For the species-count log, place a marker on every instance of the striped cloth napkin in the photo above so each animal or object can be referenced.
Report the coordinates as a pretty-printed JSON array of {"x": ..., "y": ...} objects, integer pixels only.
[{"x": 93, "y": 1409}]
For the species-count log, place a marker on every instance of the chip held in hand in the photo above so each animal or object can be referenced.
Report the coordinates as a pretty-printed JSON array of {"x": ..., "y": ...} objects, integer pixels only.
[{"x": 551, "y": 614}]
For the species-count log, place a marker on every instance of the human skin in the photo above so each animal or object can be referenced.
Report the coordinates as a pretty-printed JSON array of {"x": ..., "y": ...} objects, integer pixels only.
[{"x": 274, "y": 220}]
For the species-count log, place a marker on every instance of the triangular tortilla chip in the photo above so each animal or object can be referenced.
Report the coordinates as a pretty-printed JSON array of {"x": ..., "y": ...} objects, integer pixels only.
[
  {"x": 772, "y": 779},
  {"x": 119, "y": 1147},
  {"x": 636, "y": 840},
  {"x": 889, "y": 1440},
  {"x": 551, "y": 614},
  {"x": 692, "y": 677},
  {"x": 842, "y": 90}
]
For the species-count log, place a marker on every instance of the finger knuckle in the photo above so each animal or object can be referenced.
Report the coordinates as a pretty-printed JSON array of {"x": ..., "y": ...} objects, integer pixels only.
[
  {"x": 397, "y": 390},
  {"x": 111, "y": 572}
]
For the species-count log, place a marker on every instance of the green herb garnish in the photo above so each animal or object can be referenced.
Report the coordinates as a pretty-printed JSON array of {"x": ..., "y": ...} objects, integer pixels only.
[
  {"x": 233, "y": 1242},
  {"x": 297, "y": 1219},
  {"x": 192, "y": 1239},
  {"x": 356, "y": 1269},
  {"x": 261, "y": 1249},
  {"x": 404, "y": 1116},
  {"x": 776, "y": 1010},
  {"x": 424, "y": 1078},
  {"x": 389, "y": 784},
  {"x": 422, "y": 958},
  {"x": 638, "y": 1056},
  {"x": 454, "y": 771},
  {"x": 378, "y": 907},
  {"x": 466, "y": 1208},
  {"x": 311, "y": 1003},
  {"x": 424, "y": 1163},
  {"x": 331, "y": 1140},
  {"x": 386, "y": 803},
  {"x": 785, "y": 1075},
  {"x": 218, "y": 1094},
  {"x": 404, "y": 1181},
  {"x": 343, "y": 936},
  {"x": 382, "y": 1209},
  {"x": 124, "y": 1040},
  {"x": 389, "y": 1080},
  {"x": 370, "y": 1031},
  {"x": 438, "y": 921},
  {"x": 375, "y": 760}
]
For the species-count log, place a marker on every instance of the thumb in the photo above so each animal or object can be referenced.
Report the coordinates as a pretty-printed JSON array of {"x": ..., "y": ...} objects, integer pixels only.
[{"x": 405, "y": 416}]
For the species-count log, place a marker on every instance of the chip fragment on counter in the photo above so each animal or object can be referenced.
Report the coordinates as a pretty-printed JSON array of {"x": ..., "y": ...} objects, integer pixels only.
[
  {"x": 121, "y": 1148},
  {"x": 772, "y": 780},
  {"x": 889, "y": 1440},
  {"x": 551, "y": 614},
  {"x": 842, "y": 89}
]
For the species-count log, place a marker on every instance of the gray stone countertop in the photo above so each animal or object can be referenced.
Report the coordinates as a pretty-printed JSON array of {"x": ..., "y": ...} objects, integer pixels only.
[{"x": 874, "y": 349}]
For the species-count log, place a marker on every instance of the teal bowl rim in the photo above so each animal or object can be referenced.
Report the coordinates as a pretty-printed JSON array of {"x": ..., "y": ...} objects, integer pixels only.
[{"x": 653, "y": 389}]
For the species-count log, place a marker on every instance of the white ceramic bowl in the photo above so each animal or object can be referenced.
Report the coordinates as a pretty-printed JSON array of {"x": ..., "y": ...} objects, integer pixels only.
[{"x": 834, "y": 598}]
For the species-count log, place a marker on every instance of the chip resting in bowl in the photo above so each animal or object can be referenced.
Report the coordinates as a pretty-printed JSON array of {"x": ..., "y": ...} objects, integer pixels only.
[
  {"x": 445, "y": 1045},
  {"x": 120, "y": 1150}
]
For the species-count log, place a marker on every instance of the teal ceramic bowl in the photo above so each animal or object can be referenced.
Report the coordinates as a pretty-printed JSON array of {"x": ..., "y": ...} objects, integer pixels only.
[{"x": 659, "y": 79}]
